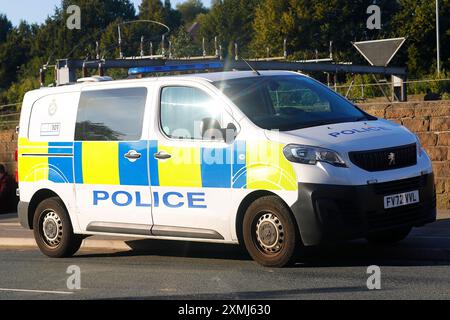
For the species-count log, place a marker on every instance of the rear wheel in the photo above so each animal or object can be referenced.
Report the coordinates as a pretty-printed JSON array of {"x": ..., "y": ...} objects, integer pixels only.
[
  {"x": 389, "y": 236},
  {"x": 270, "y": 233},
  {"x": 53, "y": 230}
]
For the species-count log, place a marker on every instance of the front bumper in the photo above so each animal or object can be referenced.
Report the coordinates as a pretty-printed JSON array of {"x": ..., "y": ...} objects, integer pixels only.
[
  {"x": 326, "y": 213},
  {"x": 22, "y": 211}
]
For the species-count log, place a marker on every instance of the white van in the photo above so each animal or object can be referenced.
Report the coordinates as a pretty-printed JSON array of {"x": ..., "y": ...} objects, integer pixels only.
[{"x": 276, "y": 161}]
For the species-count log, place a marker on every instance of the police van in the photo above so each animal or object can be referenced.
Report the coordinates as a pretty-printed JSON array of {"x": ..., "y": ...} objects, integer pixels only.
[{"x": 272, "y": 160}]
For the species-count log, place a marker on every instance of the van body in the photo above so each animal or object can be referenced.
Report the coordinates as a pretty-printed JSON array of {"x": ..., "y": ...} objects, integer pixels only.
[{"x": 275, "y": 161}]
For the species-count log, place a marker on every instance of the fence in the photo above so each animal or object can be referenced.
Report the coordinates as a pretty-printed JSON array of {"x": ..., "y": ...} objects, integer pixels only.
[
  {"x": 9, "y": 115},
  {"x": 382, "y": 91}
]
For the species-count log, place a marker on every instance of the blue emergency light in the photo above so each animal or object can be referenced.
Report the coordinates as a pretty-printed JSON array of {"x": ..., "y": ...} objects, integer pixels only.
[{"x": 174, "y": 68}]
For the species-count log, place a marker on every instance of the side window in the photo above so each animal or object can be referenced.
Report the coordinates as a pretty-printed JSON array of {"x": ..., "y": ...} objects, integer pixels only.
[
  {"x": 288, "y": 96},
  {"x": 189, "y": 113},
  {"x": 111, "y": 115}
]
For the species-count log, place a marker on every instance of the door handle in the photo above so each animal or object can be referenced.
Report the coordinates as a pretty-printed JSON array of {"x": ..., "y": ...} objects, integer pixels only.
[
  {"x": 162, "y": 155},
  {"x": 132, "y": 155}
]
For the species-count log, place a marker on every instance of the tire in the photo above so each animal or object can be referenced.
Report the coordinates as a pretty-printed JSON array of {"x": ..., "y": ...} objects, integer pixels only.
[
  {"x": 389, "y": 236},
  {"x": 270, "y": 233},
  {"x": 58, "y": 240}
]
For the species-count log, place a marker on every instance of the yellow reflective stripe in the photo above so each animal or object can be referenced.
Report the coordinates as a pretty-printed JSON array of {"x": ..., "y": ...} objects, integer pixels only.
[
  {"x": 267, "y": 168},
  {"x": 100, "y": 162},
  {"x": 183, "y": 169},
  {"x": 32, "y": 169},
  {"x": 24, "y": 142}
]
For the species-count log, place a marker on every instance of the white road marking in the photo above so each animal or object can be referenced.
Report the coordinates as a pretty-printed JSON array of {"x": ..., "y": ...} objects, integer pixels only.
[
  {"x": 9, "y": 224},
  {"x": 35, "y": 291}
]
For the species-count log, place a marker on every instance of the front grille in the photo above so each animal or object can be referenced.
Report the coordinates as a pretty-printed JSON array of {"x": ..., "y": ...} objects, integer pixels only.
[
  {"x": 399, "y": 186},
  {"x": 395, "y": 217},
  {"x": 385, "y": 159}
]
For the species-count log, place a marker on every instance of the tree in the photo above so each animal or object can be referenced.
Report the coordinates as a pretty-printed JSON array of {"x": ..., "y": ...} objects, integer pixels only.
[
  {"x": 272, "y": 23},
  {"x": 416, "y": 20},
  {"x": 183, "y": 45},
  {"x": 5, "y": 27},
  {"x": 160, "y": 12},
  {"x": 190, "y": 9},
  {"x": 14, "y": 53},
  {"x": 231, "y": 21},
  {"x": 339, "y": 21}
]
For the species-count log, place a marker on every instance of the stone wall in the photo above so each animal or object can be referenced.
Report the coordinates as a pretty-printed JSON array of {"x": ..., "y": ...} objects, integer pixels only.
[
  {"x": 8, "y": 146},
  {"x": 431, "y": 122}
]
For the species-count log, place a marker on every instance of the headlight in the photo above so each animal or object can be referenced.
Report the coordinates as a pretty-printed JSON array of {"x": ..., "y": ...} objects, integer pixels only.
[
  {"x": 418, "y": 147},
  {"x": 311, "y": 155}
]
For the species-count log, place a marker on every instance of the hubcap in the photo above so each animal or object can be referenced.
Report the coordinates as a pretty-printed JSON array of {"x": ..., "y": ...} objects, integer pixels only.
[
  {"x": 52, "y": 229},
  {"x": 269, "y": 233}
]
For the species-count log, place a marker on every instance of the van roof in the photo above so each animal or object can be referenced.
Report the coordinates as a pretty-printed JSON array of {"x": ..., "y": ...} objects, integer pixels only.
[
  {"x": 210, "y": 77},
  {"x": 229, "y": 75}
]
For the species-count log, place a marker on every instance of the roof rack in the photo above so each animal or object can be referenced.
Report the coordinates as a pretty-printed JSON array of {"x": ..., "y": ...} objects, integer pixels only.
[{"x": 166, "y": 61}]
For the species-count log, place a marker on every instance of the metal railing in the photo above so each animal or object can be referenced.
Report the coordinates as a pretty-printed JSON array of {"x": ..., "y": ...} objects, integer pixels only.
[
  {"x": 9, "y": 115},
  {"x": 417, "y": 90}
]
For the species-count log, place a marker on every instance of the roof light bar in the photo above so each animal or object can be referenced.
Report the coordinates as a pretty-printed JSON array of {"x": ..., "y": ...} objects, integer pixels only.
[{"x": 174, "y": 68}]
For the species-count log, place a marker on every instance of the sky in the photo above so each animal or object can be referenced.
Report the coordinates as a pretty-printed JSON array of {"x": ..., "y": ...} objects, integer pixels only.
[{"x": 36, "y": 11}]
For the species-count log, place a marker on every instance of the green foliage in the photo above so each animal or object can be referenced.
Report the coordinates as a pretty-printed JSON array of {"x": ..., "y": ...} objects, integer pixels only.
[
  {"x": 17, "y": 90},
  {"x": 15, "y": 52},
  {"x": 310, "y": 25},
  {"x": 161, "y": 12},
  {"x": 231, "y": 21},
  {"x": 416, "y": 19},
  {"x": 5, "y": 27},
  {"x": 190, "y": 9},
  {"x": 183, "y": 45}
]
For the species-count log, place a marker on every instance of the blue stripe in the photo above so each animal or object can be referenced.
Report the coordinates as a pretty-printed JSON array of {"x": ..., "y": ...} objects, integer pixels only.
[
  {"x": 60, "y": 144},
  {"x": 59, "y": 150},
  {"x": 133, "y": 173},
  {"x": 153, "y": 163},
  {"x": 216, "y": 167},
  {"x": 239, "y": 165},
  {"x": 60, "y": 169},
  {"x": 78, "y": 162}
]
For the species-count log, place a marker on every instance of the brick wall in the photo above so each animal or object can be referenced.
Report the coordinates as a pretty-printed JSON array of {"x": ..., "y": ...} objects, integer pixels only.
[
  {"x": 8, "y": 146},
  {"x": 431, "y": 122}
]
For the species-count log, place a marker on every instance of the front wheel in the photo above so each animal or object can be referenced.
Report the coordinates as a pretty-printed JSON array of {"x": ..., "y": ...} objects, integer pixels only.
[
  {"x": 53, "y": 230},
  {"x": 270, "y": 233},
  {"x": 389, "y": 236}
]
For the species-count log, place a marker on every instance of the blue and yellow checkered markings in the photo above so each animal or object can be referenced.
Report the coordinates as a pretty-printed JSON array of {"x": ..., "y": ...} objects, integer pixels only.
[
  {"x": 240, "y": 166},
  {"x": 133, "y": 173},
  {"x": 215, "y": 167}
]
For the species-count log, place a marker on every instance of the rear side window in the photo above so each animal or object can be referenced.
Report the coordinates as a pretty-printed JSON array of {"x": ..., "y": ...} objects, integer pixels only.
[{"x": 111, "y": 115}]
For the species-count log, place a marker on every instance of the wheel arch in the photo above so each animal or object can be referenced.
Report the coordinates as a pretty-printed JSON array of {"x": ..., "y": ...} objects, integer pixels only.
[
  {"x": 37, "y": 198},
  {"x": 247, "y": 201}
]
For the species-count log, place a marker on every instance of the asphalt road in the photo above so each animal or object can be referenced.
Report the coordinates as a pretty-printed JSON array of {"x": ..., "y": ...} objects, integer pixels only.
[{"x": 417, "y": 268}]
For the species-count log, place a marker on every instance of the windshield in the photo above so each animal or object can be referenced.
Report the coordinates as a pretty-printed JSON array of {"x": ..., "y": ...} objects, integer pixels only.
[{"x": 289, "y": 102}]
